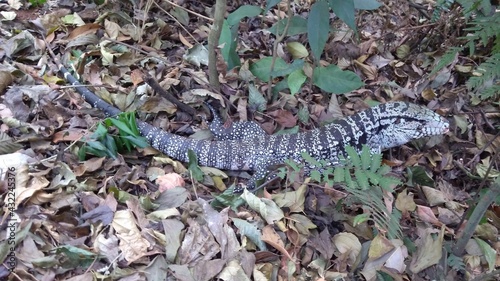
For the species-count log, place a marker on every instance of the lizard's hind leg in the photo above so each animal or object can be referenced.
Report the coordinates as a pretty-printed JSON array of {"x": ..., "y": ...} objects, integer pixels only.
[{"x": 237, "y": 131}]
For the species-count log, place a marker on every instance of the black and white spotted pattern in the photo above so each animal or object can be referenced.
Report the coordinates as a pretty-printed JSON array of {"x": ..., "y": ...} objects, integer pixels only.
[
  {"x": 237, "y": 131},
  {"x": 380, "y": 127}
]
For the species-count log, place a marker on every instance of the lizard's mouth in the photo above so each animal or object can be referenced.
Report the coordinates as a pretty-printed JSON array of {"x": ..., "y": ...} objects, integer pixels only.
[{"x": 440, "y": 127}]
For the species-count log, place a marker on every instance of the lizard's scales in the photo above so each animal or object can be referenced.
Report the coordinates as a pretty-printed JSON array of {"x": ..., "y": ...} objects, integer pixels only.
[{"x": 380, "y": 127}]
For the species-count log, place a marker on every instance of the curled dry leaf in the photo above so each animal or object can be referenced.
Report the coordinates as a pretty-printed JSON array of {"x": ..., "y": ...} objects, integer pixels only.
[
  {"x": 272, "y": 238},
  {"x": 429, "y": 251},
  {"x": 368, "y": 70},
  {"x": 132, "y": 244},
  {"x": 426, "y": 215},
  {"x": 405, "y": 203},
  {"x": 347, "y": 244},
  {"x": 434, "y": 197},
  {"x": 169, "y": 181}
]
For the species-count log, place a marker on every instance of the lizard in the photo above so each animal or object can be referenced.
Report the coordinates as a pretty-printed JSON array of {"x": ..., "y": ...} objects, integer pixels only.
[{"x": 380, "y": 127}]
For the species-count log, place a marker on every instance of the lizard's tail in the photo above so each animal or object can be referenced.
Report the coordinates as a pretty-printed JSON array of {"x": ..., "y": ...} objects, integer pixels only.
[
  {"x": 88, "y": 95},
  {"x": 219, "y": 154}
]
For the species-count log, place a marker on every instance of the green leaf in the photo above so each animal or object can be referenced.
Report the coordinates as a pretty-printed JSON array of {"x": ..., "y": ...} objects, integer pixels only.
[
  {"x": 100, "y": 131},
  {"x": 181, "y": 15},
  {"x": 488, "y": 252},
  {"x": 82, "y": 152},
  {"x": 139, "y": 141},
  {"x": 446, "y": 59},
  {"x": 121, "y": 126},
  {"x": 270, "y": 4},
  {"x": 256, "y": 99},
  {"x": 295, "y": 81},
  {"x": 332, "y": 79},
  {"x": 265, "y": 207},
  {"x": 250, "y": 231},
  {"x": 361, "y": 218},
  {"x": 297, "y": 50},
  {"x": 228, "y": 38},
  {"x": 96, "y": 145},
  {"x": 280, "y": 86},
  {"x": 110, "y": 144},
  {"x": 293, "y": 130},
  {"x": 456, "y": 263},
  {"x": 75, "y": 257},
  {"x": 227, "y": 198},
  {"x": 382, "y": 276},
  {"x": 96, "y": 152},
  {"x": 281, "y": 72},
  {"x": 318, "y": 28},
  {"x": 281, "y": 172},
  {"x": 348, "y": 180},
  {"x": 418, "y": 175},
  {"x": 242, "y": 12},
  {"x": 193, "y": 166},
  {"x": 303, "y": 114},
  {"x": 344, "y": 9},
  {"x": 120, "y": 195},
  {"x": 297, "y": 26},
  {"x": 132, "y": 121},
  {"x": 366, "y": 4},
  {"x": 262, "y": 68}
]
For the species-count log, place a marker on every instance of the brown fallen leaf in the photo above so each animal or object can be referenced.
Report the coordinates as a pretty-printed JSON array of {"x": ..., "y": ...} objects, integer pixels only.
[
  {"x": 169, "y": 181},
  {"x": 272, "y": 238}
]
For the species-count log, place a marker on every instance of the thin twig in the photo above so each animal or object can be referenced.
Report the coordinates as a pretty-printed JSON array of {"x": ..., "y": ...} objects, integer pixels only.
[
  {"x": 483, "y": 149},
  {"x": 158, "y": 88},
  {"x": 189, "y": 11},
  {"x": 180, "y": 24}
]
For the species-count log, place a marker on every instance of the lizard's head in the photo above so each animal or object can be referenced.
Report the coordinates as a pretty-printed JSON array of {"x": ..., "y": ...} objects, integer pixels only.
[{"x": 397, "y": 123}]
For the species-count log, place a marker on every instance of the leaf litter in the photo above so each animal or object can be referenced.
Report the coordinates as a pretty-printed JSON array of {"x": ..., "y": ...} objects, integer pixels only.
[{"x": 139, "y": 217}]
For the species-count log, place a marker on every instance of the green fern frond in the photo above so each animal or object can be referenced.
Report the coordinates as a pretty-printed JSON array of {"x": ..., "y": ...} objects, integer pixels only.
[
  {"x": 376, "y": 162},
  {"x": 361, "y": 179},
  {"x": 363, "y": 176},
  {"x": 490, "y": 92},
  {"x": 448, "y": 57},
  {"x": 482, "y": 29},
  {"x": 475, "y": 7},
  {"x": 373, "y": 202},
  {"x": 456, "y": 263},
  {"x": 366, "y": 158},
  {"x": 441, "y": 5},
  {"x": 353, "y": 156},
  {"x": 339, "y": 174},
  {"x": 489, "y": 72}
]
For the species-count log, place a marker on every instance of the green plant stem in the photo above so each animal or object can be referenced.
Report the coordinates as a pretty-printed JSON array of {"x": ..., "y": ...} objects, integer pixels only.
[
  {"x": 475, "y": 218},
  {"x": 213, "y": 40},
  {"x": 276, "y": 43}
]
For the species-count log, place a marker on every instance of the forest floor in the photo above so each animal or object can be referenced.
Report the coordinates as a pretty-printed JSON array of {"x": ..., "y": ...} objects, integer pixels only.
[{"x": 144, "y": 216}]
